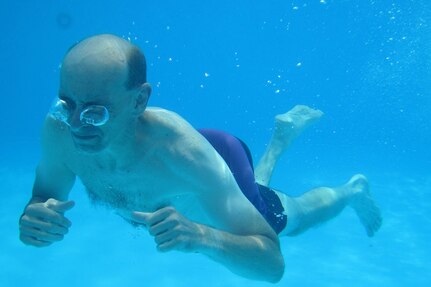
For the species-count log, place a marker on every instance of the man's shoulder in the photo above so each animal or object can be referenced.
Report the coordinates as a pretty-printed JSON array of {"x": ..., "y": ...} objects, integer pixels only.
[
  {"x": 164, "y": 117},
  {"x": 53, "y": 129},
  {"x": 181, "y": 138},
  {"x": 167, "y": 124},
  {"x": 189, "y": 147},
  {"x": 53, "y": 136}
]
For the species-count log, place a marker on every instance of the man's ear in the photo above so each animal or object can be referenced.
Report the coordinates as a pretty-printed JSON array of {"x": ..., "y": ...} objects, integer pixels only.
[{"x": 141, "y": 98}]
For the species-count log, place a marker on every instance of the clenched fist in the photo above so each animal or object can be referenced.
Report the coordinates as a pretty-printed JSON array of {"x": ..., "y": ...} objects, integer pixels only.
[{"x": 43, "y": 223}]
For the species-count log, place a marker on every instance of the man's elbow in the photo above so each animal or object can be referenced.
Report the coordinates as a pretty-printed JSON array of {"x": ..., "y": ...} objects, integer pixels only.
[{"x": 277, "y": 270}]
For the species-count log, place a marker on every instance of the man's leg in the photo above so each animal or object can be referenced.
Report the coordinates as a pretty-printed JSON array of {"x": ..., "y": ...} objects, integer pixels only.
[{"x": 320, "y": 204}]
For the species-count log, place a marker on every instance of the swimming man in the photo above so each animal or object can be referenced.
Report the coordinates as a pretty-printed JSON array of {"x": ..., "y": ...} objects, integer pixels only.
[{"x": 195, "y": 190}]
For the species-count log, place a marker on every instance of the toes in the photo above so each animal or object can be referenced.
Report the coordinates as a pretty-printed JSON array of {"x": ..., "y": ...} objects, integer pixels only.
[
  {"x": 374, "y": 222},
  {"x": 370, "y": 218},
  {"x": 377, "y": 224}
]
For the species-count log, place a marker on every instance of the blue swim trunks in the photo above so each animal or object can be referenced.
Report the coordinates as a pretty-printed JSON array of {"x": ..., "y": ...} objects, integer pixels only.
[{"x": 238, "y": 157}]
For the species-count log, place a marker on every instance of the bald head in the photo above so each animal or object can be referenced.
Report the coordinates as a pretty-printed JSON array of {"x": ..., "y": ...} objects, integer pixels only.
[{"x": 106, "y": 57}]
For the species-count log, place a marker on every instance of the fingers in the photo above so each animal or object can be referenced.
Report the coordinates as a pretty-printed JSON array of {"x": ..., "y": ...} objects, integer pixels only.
[
  {"x": 59, "y": 206},
  {"x": 39, "y": 211},
  {"x": 40, "y": 235},
  {"x": 140, "y": 217},
  {"x": 163, "y": 226},
  {"x": 168, "y": 245},
  {"x": 32, "y": 241},
  {"x": 152, "y": 218},
  {"x": 44, "y": 223},
  {"x": 166, "y": 236},
  {"x": 170, "y": 229}
]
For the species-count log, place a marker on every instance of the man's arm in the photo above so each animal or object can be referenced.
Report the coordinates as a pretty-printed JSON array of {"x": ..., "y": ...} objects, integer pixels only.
[
  {"x": 239, "y": 237},
  {"x": 242, "y": 240},
  {"x": 252, "y": 256},
  {"x": 43, "y": 221}
]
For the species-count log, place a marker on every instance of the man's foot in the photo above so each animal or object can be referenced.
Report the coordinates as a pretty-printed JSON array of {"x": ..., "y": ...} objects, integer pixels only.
[
  {"x": 289, "y": 125},
  {"x": 364, "y": 205}
]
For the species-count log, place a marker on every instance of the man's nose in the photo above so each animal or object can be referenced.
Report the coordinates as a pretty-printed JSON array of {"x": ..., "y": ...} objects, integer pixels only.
[{"x": 75, "y": 120}]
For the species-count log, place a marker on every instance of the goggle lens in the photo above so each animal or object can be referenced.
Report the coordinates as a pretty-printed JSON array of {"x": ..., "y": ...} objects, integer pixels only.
[{"x": 94, "y": 115}]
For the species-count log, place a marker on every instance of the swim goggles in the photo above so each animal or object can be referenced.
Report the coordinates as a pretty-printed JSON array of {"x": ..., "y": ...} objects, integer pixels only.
[{"x": 94, "y": 115}]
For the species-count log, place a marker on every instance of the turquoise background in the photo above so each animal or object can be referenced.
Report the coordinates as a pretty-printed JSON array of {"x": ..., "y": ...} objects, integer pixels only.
[{"x": 233, "y": 65}]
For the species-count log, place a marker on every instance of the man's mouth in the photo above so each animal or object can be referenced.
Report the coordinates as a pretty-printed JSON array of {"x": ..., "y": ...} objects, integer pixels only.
[{"x": 83, "y": 137}]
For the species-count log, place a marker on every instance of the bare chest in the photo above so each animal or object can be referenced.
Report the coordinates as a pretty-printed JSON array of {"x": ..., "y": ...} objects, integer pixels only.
[
  {"x": 141, "y": 188},
  {"x": 138, "y": 187},
  {"x": 123, "y": 190}
]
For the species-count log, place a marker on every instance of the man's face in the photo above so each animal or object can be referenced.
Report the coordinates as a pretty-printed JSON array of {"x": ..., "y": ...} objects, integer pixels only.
[{"x": 94, "y": 83}]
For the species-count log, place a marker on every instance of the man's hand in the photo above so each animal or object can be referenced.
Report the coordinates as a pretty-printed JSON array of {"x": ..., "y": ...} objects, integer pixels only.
[
  {"x": 171, "y": 230},
  {"x": 43, "y": 223}
]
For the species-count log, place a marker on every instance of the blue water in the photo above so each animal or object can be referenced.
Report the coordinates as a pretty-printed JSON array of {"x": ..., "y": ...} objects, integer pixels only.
[{"x": 233, "y": 65}]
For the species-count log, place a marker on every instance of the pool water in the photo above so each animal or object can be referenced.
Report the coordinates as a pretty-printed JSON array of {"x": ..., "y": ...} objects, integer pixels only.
[{"x": 234, "y": 65}]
